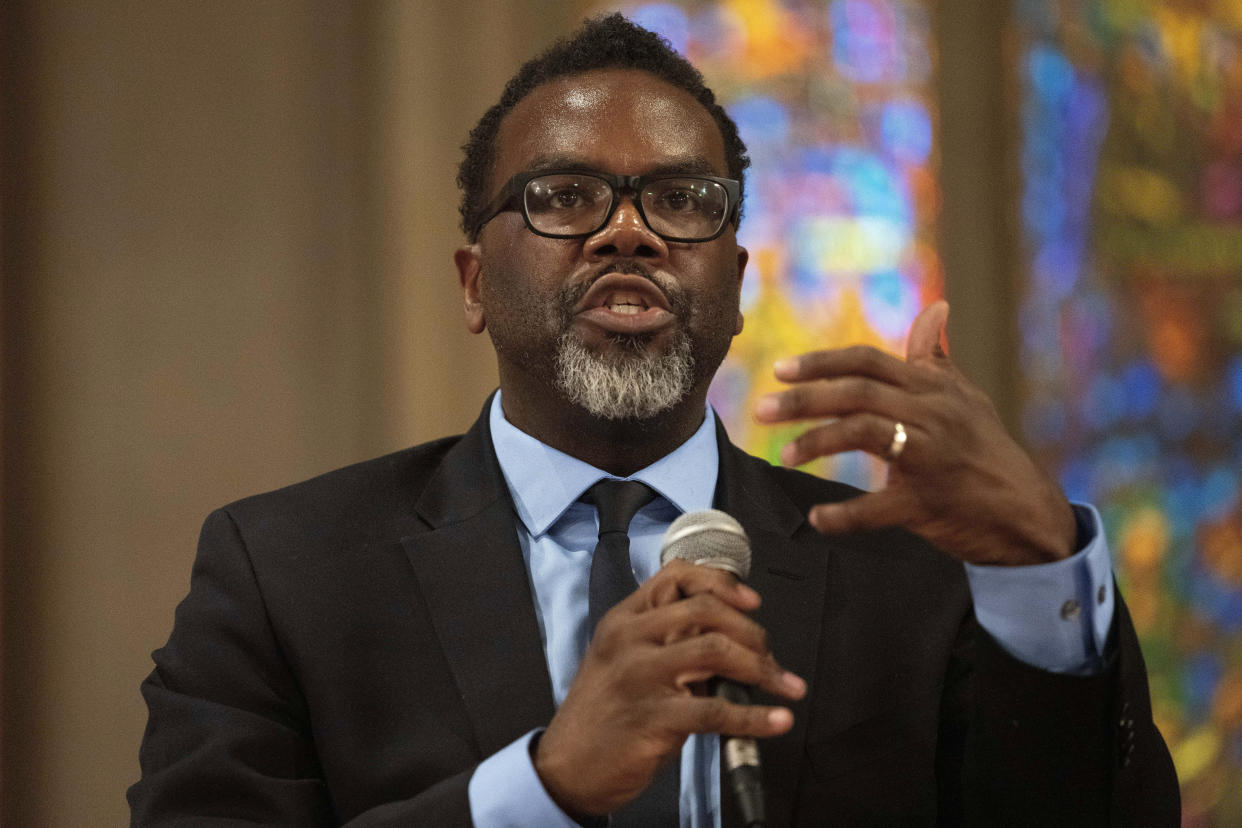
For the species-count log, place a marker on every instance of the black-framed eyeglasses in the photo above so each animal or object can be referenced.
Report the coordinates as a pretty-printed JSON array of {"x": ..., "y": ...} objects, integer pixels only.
[{"x": 566, "y": 204}]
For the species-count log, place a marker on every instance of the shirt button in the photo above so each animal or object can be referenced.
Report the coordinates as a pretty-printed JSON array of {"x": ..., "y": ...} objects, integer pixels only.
[
  {"x": 1070, "y": 610},
  {"x": 1101, "y": 594}
]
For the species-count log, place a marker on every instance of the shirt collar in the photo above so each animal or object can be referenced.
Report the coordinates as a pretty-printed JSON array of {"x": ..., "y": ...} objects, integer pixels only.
[{"x": 544, "y": 482}]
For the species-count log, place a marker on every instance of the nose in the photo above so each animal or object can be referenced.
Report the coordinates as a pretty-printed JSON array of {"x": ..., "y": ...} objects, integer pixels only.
[{"x": 625, "y": 234}]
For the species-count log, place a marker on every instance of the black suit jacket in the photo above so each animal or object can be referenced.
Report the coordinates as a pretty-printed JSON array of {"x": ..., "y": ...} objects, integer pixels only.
[{"x": 352, "y": 647}]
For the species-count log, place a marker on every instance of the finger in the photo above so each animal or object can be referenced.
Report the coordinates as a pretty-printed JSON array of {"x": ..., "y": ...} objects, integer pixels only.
[
  {"x": 926, "y": 332},
  {"x": 712, "y": 714},
  {"x": 713, "y": 654},
  {"x": 856, "y": 360},
  {"x": 834, "y": 398},
  {"x": 672, "y": 586},
  {"x": 867, "y": 511},
  {"x": 866, "y": 432},
  {"x": 696, "y": 615},
  {"x": 679, "y": 579}
]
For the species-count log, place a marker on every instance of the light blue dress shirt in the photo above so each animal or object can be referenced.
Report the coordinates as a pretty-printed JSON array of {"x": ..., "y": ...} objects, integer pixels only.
[{"x": 1054, "y": 616}]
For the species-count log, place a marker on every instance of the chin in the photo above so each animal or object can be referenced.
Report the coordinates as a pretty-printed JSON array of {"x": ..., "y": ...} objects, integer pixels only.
[{"x": 636, "y": 382}]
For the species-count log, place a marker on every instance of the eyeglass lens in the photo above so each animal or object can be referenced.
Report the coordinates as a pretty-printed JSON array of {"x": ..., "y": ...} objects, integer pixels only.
[{"x": 573, "y": 205}]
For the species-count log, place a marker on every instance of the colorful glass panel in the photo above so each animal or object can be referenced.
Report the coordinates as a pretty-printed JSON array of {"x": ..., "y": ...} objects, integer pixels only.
[{"x": 1131, "y": 332}]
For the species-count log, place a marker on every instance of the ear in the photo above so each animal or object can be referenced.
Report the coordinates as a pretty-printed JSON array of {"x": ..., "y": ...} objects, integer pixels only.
[
  {"x": 469, "y": 270},
  {"x": 743, "y": 256}
]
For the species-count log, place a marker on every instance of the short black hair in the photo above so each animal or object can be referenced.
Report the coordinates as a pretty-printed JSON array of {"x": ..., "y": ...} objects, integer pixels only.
[{"x": 605, "y": 42}]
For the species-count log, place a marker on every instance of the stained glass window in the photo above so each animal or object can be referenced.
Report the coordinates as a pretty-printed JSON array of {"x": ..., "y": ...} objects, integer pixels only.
[
  {"x": 833, "y": 100},
  {"x": 1131, "y": 122}
]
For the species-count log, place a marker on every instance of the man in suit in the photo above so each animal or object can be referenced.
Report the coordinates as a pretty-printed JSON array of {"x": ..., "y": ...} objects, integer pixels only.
[{"x": 407, "y": 641}]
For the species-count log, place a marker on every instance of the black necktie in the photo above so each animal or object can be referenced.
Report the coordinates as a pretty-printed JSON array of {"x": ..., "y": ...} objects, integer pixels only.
[
  {"x": 612, "y": 576},
  {"x": 612, "y": 579}
]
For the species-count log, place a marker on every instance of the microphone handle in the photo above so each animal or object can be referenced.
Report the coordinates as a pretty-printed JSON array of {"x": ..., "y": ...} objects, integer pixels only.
[{"x": 741, "y": 758}]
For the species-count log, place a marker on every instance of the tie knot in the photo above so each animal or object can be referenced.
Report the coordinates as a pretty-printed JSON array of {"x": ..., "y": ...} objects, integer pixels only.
[{"x": 617, "y": 501}]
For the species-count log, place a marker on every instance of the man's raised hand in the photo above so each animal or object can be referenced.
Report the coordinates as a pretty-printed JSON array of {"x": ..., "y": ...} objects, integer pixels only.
[{"x": 959, "y": 479}]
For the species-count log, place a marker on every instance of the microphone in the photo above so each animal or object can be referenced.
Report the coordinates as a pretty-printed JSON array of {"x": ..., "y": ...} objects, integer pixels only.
[{"x": 714, "y": 539}]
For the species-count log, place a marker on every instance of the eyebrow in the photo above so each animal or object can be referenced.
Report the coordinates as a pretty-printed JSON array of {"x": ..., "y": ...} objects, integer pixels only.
[{"x": 693, "y": 165}]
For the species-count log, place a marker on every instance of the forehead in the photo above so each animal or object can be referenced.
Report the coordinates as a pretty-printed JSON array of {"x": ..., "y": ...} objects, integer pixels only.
[{"x": 615, "y": 120}]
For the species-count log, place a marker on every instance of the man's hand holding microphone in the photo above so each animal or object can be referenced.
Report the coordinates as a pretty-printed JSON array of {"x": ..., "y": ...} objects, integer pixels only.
[{"x": 642, "y": 687}]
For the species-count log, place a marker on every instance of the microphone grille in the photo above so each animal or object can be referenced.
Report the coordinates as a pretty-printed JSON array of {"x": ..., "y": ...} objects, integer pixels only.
[{"x": 708, "y": 538}]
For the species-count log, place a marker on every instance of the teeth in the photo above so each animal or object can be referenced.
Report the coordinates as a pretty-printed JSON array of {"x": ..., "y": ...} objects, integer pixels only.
[{"x": 628, "y": 310}]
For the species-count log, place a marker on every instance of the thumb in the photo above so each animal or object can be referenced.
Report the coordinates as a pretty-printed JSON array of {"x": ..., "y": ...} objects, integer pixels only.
[{"x": 926, "y": 330}]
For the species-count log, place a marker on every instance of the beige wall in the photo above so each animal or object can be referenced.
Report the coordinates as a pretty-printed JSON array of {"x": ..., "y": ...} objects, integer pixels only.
[{"x": 227, "y": 267}]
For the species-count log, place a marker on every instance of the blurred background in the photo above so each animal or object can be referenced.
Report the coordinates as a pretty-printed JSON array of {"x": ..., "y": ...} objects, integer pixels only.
[{"x": 226, "y": 243}]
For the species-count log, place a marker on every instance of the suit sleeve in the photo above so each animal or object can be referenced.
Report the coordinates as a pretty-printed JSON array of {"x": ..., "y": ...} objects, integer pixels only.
[
  {"x": 1041, "y": 748},
  {"x": 228, "y": 739}
]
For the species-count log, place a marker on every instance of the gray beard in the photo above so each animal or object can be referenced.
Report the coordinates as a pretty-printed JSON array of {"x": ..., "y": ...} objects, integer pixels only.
[{"x": 633, "y": 385}]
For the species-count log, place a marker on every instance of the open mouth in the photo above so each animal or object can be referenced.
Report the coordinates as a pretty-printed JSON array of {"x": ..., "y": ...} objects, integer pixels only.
[
  {"x": 623, "y": 293},
  {"x": 625, "y": 303}
]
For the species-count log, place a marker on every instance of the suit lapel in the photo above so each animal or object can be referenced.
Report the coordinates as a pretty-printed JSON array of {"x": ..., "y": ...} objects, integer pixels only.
[
  {"x": 789, "y": 567},
  {"x": 471, "y": 573},
  {"x": 787, "y": 556}
]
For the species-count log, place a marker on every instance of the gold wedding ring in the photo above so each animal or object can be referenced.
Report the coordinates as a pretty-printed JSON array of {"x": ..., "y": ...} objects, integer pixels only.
[{"x": 898, "y": 445}]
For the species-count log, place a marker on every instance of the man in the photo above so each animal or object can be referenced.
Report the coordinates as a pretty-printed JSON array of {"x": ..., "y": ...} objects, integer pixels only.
[{"x": 409, "y": 641}]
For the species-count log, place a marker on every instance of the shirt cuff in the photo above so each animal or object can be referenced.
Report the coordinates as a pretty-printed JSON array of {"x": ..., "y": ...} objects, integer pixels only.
[
  {"x": 505, "y": 791},
  {"x": 1053, "y": 616}
]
